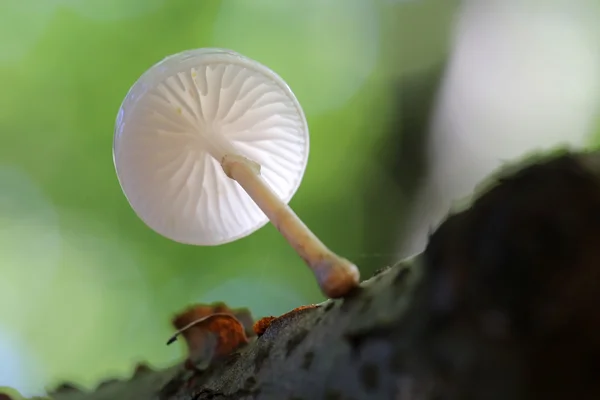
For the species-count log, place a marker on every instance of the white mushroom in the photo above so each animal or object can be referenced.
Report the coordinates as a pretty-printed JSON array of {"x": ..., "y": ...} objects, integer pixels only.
[{"x": 197, "y": 119}]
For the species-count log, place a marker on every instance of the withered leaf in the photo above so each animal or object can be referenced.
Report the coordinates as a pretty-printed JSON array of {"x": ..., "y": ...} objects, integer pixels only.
[
  {"x": 209, "y": 337},
  {"x": 197, "y": 311}
]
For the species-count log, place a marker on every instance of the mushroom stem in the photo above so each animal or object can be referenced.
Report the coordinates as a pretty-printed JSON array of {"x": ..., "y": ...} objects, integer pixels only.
[{"x": 336, "y": 275}]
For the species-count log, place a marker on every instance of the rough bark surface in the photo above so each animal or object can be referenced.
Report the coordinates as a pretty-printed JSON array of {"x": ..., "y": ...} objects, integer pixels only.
[{"x": 501, "y": 305}]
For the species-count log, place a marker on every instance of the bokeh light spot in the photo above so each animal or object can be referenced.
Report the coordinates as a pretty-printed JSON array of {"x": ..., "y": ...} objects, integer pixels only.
[
  {"x": 29, "y": 244},
  {"x": 325, "y": 50},
  {"x": 18, "y": 368}
]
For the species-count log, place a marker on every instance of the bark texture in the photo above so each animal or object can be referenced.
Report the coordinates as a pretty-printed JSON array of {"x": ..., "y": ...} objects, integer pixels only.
[{"x": 503, "y": 304}]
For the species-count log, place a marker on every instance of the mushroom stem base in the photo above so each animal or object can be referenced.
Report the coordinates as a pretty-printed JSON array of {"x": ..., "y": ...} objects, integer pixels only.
[{"x": 336, "y": 275}]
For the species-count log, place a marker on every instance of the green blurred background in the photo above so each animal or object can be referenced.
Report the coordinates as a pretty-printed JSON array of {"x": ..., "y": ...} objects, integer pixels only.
[{"x": 86, "y": 289}]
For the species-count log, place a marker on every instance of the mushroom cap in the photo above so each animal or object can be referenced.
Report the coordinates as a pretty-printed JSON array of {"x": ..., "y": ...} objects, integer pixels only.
[{"x": 178, "y": 121}]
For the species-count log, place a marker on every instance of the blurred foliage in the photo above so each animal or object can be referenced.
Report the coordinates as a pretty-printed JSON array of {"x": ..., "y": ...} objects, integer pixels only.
[{"x": 87, "y": 289}]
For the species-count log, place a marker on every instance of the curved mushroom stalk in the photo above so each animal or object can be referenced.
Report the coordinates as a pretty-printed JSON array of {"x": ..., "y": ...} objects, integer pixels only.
[
  {"x": 199, "y": 117},
  {"x": 336, "y": 275}
]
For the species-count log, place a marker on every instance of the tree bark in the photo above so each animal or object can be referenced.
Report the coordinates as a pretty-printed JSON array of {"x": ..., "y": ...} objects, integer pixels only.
[{"x": 503, "y": 304}]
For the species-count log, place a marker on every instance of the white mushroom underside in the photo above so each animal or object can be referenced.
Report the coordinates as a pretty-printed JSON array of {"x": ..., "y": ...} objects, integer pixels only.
[{"x": 164, "y": 144}]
